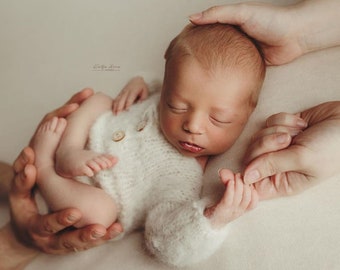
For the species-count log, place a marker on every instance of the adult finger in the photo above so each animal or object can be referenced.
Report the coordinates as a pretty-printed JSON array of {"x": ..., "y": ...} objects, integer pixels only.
[
  {"x": 25, "y": 157},
  {"x": 22, "y": 206},
  {"x": 53, "y": 223},
  {"x": 80, "y": 96},
  {"x": 63, "y": 111},
  {"x": 292, "y": 131},
  {"x": 231, "y": 14},
  {"x": 70, "y": 106},
  {"x": 73, "y": 240},
  {"x": 286, "y": 119},
  {"x": 81, "y": 239},
  {"x": 87, "y": 237},
  {"x": 266, "y": 144},
  {"x": 273, "y": 163},
  {"x": 23, "y": 183}
]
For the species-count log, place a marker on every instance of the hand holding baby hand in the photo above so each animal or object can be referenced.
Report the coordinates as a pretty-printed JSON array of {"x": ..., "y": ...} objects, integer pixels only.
[
  {"x": 135, "y": 90},
  {"x": 278, "y": 133},
  {"x": 310, "y": 157},
  {"x": 238, "y": 198}
]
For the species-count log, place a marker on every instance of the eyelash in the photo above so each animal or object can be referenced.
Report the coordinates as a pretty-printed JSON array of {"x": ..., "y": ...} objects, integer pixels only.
[
  {"x": 175, "y": 109},
  {"x": 220, "y": 122}
]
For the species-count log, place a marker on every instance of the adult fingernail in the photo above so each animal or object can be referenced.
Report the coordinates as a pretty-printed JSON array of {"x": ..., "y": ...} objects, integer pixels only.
[
  {"x": 251, "y": 176},
  {"x": 195, "y": 16},
  {"x": 282, "y": 138},
  {"x": 301, "y": 123},
  {"x": 24, "y": 157},
  {"x": 23, "y": 175}
]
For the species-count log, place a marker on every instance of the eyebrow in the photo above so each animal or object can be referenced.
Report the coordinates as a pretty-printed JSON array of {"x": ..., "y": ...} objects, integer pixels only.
[
  {"x": 221, "y": 110},
  {"x": 225, "y": 111}
]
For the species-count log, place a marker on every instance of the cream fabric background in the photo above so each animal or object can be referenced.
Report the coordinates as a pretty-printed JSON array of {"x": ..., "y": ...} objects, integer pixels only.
[{"x": 50, "y": 49}]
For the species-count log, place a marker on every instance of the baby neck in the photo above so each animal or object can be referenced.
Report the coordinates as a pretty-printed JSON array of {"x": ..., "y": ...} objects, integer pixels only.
[{"x": 203, "y": 160}]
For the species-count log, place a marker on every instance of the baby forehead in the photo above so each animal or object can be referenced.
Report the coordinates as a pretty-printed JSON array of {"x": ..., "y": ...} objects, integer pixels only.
[{"x": 220, "y": 101}]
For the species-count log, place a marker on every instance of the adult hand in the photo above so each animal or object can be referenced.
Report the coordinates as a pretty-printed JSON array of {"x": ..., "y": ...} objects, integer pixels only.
[
  {"x": 51, "y": 233},
  {"x": 283, "y": 32},
  {"x": 281, "y": 166},
  {"x": 273, "y": 27}
]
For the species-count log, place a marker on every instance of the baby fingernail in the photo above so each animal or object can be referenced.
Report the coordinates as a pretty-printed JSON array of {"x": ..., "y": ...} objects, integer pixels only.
[
  {"x": 113, "y": 234},
  {"x": 251, "y": 176},
  {"x": 71, "y": 218},
  {"x": 96, "y": 234}
]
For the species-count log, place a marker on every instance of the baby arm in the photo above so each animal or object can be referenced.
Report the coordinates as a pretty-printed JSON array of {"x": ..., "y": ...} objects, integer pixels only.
[
  {"x": 184, "y": 233},
  {"x": 179, "y": 234},
  {"x": 135, "y": 90}
]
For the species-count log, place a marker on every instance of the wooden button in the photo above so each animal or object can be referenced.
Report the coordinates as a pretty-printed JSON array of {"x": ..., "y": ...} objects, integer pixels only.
[
  {"x": 118, "y": 136},
  {"x": 141, "y": 125}
]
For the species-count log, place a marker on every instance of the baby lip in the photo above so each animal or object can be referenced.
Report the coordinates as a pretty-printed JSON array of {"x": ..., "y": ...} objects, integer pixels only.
[{"x": 191, "y": 146}]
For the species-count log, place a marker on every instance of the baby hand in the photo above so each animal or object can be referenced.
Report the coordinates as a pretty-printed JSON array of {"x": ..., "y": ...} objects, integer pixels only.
[
  {"x": 237, "y": 199},
  {"x": 135, "y": 90}
]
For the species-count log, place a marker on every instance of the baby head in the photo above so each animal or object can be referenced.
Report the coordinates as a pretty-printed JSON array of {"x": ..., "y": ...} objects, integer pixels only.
[{"x": 213, "y": 76}]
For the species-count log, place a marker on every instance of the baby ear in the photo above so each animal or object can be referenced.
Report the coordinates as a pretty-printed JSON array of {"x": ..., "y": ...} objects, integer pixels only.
[{"x": 226, "y": 175}]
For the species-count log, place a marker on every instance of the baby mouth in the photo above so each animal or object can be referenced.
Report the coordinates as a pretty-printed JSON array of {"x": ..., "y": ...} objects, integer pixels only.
[{"x": 193, "y": 148}]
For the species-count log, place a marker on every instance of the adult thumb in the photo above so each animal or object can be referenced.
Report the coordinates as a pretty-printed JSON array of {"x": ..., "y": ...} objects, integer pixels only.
[
  {"x": 230, "y": 14},
  {"x": 286, "y": 160}
]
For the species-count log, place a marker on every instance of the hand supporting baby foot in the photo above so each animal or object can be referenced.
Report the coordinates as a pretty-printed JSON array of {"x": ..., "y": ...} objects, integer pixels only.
[
  {"x": 79, "y": 162},
  {"x": 238, "y": 198}
]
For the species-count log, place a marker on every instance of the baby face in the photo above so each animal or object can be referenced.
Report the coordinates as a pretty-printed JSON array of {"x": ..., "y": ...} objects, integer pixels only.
[{"x": 202, "y": 113}]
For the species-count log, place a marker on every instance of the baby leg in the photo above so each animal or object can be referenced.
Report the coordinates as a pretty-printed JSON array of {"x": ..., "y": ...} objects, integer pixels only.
[
  {"x": 71, "y": 157},
  {"x": 97, "y": 207}
]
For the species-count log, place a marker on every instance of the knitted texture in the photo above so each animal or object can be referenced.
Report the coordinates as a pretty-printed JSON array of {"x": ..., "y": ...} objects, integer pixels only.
[{"x": 154, "y": 186}]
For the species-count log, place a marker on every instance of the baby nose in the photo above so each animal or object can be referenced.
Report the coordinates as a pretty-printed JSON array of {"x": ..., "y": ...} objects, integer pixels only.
[{"x": 194, "y": 124}]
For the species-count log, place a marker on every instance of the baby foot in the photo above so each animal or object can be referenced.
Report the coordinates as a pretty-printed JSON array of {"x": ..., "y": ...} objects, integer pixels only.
[
  {"x": 75, "y": 162},
  {"x": 45, "y": 142}
]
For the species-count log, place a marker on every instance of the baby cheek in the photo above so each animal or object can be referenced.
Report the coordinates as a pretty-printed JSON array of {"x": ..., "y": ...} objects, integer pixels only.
[
  {"x": 224, "y": 145},
  {"x": 225, "y": 140},
  {"x": 169, "y": 125}
]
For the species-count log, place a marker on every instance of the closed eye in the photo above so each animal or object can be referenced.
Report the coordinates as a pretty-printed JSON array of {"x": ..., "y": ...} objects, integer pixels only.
[
  {"x": 220, "y": 121},
  {"x": 176, "y": 109}
]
